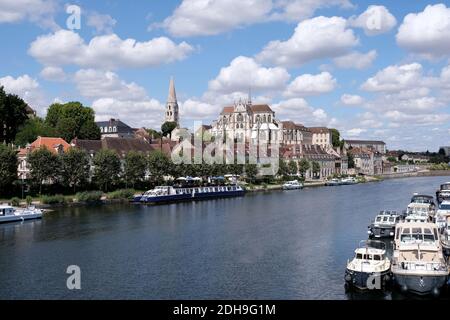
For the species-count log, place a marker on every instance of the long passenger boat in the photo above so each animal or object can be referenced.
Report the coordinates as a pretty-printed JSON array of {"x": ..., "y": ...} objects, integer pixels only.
[{"x": 164, "y": 194}]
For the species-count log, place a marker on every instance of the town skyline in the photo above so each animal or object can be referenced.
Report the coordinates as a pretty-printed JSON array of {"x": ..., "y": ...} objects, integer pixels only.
[{"x": 375, "y": 84}]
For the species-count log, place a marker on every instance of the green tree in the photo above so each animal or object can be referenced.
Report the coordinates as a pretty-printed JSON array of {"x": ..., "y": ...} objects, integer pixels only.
[
  {"x": 31, "y": 129},
  {"x": 303, "y": 166},
  {"x": 107, "y": 168},
  {"x": 315, "y": 168},
  {"x": 336, "y": 138},
  {"x": 154, "y": 134},
  {"x": 8, "y": 167},
  {"x": 44, "y": 166},
  {"x": 159, "y": 165},
  {"x": 74, "y": 168},
  {"x": 251, "y": 171},
  {"x": 351, "y": 161},
  {"x": 167, "y": 128},
  {"x": 135, "y": 167},
  {"x": 283, "y": 169},
  {"x": 292, "y": 167},
  {"x": 73, "y": 120},
  {"x": 13, "y": 111}
]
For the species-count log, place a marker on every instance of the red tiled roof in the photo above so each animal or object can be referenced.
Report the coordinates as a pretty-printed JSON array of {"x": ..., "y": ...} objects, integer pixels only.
[
  {"x": 260, "y": 108},
  {"x": 319, "y": 130},
  {"x": 49, "y": 143}
]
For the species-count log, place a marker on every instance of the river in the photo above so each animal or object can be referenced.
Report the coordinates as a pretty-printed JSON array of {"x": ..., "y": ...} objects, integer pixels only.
[{"x": 274, "y": 245}]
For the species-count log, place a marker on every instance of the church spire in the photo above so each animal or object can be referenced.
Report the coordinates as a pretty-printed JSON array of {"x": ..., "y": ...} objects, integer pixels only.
[
  {"x": 172, "y": 104},
  {"x": 172, "y": 98}
]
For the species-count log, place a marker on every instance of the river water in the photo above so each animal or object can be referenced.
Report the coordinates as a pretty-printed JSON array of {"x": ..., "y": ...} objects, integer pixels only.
[{"x": 274, "y": 245}]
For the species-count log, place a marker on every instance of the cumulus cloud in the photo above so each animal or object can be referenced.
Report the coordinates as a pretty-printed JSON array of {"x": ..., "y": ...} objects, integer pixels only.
[
  {"x": 356, "y": 60},
  {"x": 299, "y": 110},
  {"x": 245, "y": 73},
  {"x": 27, "y": 88},
  {"x": 203, "y": 17},
  {"x": 309, "y": 85},
  {"x": 66, "y": 47},
  {"x": 375, "y": 20},
  {"x": 53, "y": 74},
  {"x": 352, "y": 100},
  {"x": 316, "y": 38},
  {"x": 355, "y": 132},
  {"x": 297, "y": 10},
  {"x": 36, "y": 11},
  {"x": 102, "y": 23},
  {"x": 426, "y": 33}
]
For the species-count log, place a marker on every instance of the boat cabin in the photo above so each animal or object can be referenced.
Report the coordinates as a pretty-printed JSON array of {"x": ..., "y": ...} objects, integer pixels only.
[
  {"x": 416, "y": 233},
  {"x": 6, "y": 210},
  {"x": 421, "y": 198},
  {"x": 387, "y": 218}
]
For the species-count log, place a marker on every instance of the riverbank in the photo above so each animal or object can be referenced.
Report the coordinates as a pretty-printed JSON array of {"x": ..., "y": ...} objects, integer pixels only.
[{"x": 425, "y": 173}]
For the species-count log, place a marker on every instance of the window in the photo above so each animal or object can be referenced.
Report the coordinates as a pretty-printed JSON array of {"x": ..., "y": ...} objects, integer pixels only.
[
  {"x": 359, "y": 256},
  {"x": 115, "y": 129}
]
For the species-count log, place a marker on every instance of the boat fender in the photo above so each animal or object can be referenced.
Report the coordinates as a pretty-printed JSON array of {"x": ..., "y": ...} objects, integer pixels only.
[
  {"x": 404, "y": 289},
  {"x": 387, "y": 278},
  {"x": 436, "y": 292},
  {"x": 348, "y": 278}
]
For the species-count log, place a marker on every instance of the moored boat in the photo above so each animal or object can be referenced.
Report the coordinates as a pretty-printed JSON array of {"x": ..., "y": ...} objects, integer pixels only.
[
  {"x": 384, "y": 224},
  {"x": 164, "y": 194},
  {"x": 442, "y": 214},
  {"x": 443, "y": 193},
  {"x": 292, "y": 185},
  {"x": 422, "y": 203},
  {"x": 370, "y": 267},
  {"x": 11, "y": 214},
  {"x": 445, "y": 237},
  {"x": 333, "y": 182},
  {"x": 418, "y": 265},
  {"x": 349, "y": 181}
]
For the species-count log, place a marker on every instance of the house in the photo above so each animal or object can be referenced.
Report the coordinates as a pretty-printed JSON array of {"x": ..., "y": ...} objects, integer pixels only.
[
  {"x": 414, "y": 158},
  {"x": 363, "y": 161},
  {"x": 322, "y": 136},
  {"x": 55, "y": 145},
  {"x": 379, "y": 146},
  {"x": 114, "y": 128}
]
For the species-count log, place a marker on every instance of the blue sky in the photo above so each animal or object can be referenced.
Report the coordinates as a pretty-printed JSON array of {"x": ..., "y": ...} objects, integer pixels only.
[{"x": 375, "y": 70}]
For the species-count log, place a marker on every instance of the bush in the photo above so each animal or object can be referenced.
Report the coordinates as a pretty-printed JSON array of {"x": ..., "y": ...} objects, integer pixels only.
[
  {"x": 15, "y": 202},
  {"x": 29, "y": 200},
  {"x": 89, "y": 196},
  {"x": 56, "y": 199},
  {"x": 124, "y": 194},
  {"x": 440, "y": 166}
]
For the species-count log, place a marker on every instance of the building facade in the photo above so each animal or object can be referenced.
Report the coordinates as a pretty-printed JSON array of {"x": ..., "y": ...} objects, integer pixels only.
[
  {"x": 379, "y": 146},
  {"x": 322, "y": 136},
  {"x": 114, "y": 128}
]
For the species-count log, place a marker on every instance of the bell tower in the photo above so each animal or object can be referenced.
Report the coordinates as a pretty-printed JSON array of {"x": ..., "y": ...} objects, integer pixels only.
[{"x": 172, "y": 104}]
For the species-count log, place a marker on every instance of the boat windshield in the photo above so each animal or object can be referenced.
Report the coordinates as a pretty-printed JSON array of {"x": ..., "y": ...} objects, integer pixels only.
[
  {"x": 444, "y": 207},
  {"x": 445, "y": 186}
]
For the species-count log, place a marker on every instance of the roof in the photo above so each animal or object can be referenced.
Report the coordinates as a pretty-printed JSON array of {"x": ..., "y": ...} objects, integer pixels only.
[
  {"x": 121, "y": 126},
  {"x": 364, "y": 142},
  {"x": 319, "y": 129},
  {"x": 257, "y": 108},
  {"x": 172, "y": 97},
  {"x": 49, "y": 143},
  {"x": 290, "y": 125}
]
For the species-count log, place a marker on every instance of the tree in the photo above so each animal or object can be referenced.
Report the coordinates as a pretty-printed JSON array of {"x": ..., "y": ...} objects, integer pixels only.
[
  {"x": 154, "y": 134},
  {"x": 75, "y": 168},
  {"x": 8, "y": 167},
  {"x": 31, "y": 129},
  {"x": 107, "y": 168},
  {"x": 303, "y": 166},
  {"x": 13, "y": 111},
  {"x": 283, "y": 169},
  {"x": 315, "y": 168},
  {"x": 336, "y": 138},
  {"x": 292, "y": 168},
  {"x": 167, "y": 128},
  {"x": 44, "y": 166},
  {"x": 158, "y": 165},
  {"x": 135, "y": 167},
  {"x": 73, "y": 120},
  {"x": 351, "y": 161},
  {"x": 251, "y": 171}
]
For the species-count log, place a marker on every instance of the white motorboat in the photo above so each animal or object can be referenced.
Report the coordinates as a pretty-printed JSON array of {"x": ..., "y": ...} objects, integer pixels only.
[
  {"x": 370, "y": 267},
  {"x": 384, "y": 224},
  {"x": 333, "y": 182},
  {"x": 422, "y": 205},
  {"x": 443, "y": 193},
  {"x": 445, "y": 237},
  {"x": 292, "y": 185},
  {"x": 418, "y": 264},
  {"x": 442, "y": 214},
  {"x": 11, "y": 214},
  {"x": 348, "y": 181}
]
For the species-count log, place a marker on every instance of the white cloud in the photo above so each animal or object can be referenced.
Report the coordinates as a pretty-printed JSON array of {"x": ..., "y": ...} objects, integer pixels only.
[
  {"x": 95, "y": 84},
  {"x": 108, "y": 51},
  {"x": 395, "y": 78},
  {"x": 308, "y": 85},
  {"x": 426, "y": 33},
  {"x": 355, "y": 132},
  {"x": 352, "y": 100},
  {"x": 102, "y": 23},
  {"x": 209, "y": 17},
  {"x": 36, "y": 11},
  {"x": 297, "y": 10},
  {"x": 417, "y": 119},
  {"x": 300, "y": 111},
  {"x": 356, "y": 60},
  {"x": 53, "y": 74},
  {"x": 27, "y": 88},
  {"x": 194, "y": 109},
  {"x": 375, "y": 20},
  {"x": 130, "y": 111},
  {"x": 244, "y": 73},
  {"x": 316, "y": 38}
]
